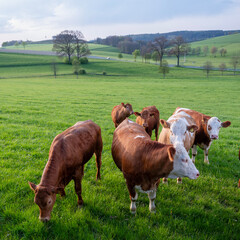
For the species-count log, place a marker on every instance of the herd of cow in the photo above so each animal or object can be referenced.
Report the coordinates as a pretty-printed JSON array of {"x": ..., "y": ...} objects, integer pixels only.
[{"x": 143, "y": 161}]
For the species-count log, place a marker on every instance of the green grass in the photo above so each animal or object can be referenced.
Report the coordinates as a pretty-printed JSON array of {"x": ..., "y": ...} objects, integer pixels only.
[{"x": 35, "y": 107}]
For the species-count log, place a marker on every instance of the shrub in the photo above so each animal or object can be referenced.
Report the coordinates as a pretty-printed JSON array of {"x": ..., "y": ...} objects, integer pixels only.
[
  {"x": 82, "y": 71},
  {"x": 104, "y": 73},
  {"x": 84, "y": 60}
]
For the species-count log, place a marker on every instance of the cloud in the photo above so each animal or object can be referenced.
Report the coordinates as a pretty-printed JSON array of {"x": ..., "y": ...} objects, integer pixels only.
[{"x": 32, "y": 19}]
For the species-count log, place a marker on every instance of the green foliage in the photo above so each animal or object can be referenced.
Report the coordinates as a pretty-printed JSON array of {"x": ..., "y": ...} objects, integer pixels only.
[
  {"x": 35, "y": 107},
  {"x": 83, "y": 60},
  {"x": 82, "y": 72}
]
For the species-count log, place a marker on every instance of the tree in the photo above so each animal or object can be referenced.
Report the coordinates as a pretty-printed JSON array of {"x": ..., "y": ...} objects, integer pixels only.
[
  {"x": 207, "y": 67},
  {"x": 24, "y": 44},
  {"x": 223, "y": 52},
  {"x": 80, "y": 45},
  {"x": 179, "y": 48},
  {"x": 136, "y": 53},
  {"x": 164, "y": 69},
  {"x": 205, "y": 50},
  {"x": 214, "y": 51},
  {"x": 120, "y": 56},
  {"x": 64, "y": 44},
  {"x": 4, "y": 44},
  {"x": 54, "y": 68},
  {"x": 222, "y": 67},
  {"x": 16, "y": 44},
  {"x": 159, "y": 45},
  {"x": 76, "y": 66},
  {"x": 234, "y": 62},
  {"x": 155, "y": 56}
]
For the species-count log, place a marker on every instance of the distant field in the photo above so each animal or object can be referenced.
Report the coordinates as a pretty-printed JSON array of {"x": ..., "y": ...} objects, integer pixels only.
[
  {"x": 35, "y": 107},
  {"x": 230, "y": 42}
]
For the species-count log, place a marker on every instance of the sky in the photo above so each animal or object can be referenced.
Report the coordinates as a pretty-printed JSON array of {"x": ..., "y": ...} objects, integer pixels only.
[{"x": 41, "y": 19}]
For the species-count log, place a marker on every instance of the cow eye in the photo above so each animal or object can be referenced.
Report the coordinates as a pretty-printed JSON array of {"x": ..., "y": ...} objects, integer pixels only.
[
  {"x": 49, "y": 202},
  {"x": 209, "y": 128}
]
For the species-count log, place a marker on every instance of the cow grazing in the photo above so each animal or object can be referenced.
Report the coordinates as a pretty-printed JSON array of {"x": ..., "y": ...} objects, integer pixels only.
[
  {"x": 181, "y": 128},
  {"x": 208, "y": 130},
  {"x": 121, "y": 112},
  {"x": 69, "y": 151},
  {"x": 143, "y": 161},
  {"x": 149, "y": 119}
]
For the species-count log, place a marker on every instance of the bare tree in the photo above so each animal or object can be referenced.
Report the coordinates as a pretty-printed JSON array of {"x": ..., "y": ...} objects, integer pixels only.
[
  {"x": 164, "y": 69},
  {"x": 205, "y": 50},
  {"x": 159, "y": 45},
  {"x": 222, "y": 67},
  {"x": 54, "y": 68},
  {"x": 207, "y": 67},
  {"x": 179, "y": 48},
  {"x": 234, "y": 62},
  {"x": 64, "y": 44},
  {"x": 223, "y": 52}
]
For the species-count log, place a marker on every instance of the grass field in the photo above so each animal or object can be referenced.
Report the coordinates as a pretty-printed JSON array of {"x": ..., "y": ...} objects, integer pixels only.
[{"x": 35, "y": 107}]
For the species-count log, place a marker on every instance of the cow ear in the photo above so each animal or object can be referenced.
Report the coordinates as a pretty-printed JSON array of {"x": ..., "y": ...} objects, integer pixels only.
[
  {"x": 192, "y": 128},
  {"x": 32, "y": 186},
  {"x": 205, "y": 120},
  {"x": 164, "y": 123},
  {"x": 226, "y": 124},
  {"x": 137, "y": 114},
  {"x": 171, "y": 153},
  {"x": 122, "y": 104}
]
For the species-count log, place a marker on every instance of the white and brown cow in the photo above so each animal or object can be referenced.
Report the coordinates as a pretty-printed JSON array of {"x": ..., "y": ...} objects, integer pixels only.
[
  {"x": 208, "y": 130},
  {"x": 179, "y": 128},
  {"x": 143, "y": 161},
  {"x": 121, "y": 112},
  {"x": 149, "y": 119},
  {"x": 69, "y": 151}
]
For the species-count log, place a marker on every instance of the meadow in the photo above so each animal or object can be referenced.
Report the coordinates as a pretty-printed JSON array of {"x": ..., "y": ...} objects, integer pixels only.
[{"x": 35, "y": 107}]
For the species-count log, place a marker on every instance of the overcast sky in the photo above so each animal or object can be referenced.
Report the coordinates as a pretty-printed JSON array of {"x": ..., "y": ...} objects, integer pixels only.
[{"x": 42, "y": 19}]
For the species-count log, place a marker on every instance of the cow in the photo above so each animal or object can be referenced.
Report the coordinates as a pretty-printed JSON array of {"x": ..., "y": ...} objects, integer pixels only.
[
  {"x": 181, "y": 128},
  {"x": 208, "y": 130},
  {"x": 143, "y": 161},
  {"x": 149, "y": 119},
  {"x": 69, "y": 151},
  {"x": 121, "y": 112}
]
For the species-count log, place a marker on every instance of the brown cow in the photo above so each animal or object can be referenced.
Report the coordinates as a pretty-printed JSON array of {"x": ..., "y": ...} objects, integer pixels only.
[
  {"x": 149, "y": 119},
  {"x": 143, "y": 161},
  {"x": 121, "y": 112},
  {"x": 208, "y": 130},
  {"x": 69, "y": 151}
]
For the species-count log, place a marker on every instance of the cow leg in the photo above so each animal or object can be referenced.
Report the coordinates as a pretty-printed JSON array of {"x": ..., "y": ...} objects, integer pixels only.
[
  {"x": 133, "y": 197},
  {"x": 179, "y": 180},
  {"x": 156, "y": 133},
  {"x": 78, "y": 187},
  {"x": 206, "y": 149},
  {"x": 98, "y": 156},
  {"x": 165, "y": 180},
  {"x": 152, "y": 197},
  {"x": 194, "y": 152}
]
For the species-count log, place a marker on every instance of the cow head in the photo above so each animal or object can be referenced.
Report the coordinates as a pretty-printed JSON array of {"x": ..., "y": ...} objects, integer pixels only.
[
  {"x": 45, "y": 198},
  {"x": 178, "y": 129},
  {"x": 128, "y": 107},
  {"x": 145, "y": 116},
  {"x": 213, "y": 126},
  {"x": 182, "y": 164}
]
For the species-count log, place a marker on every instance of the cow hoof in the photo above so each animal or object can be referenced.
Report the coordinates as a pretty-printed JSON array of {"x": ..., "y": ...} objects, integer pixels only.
[
  {"x": 207, "y": 162},
  {"x": 179, "y": 182},
  {"x": 153, "y": 210},
  {"x": 133, "y": 211}
]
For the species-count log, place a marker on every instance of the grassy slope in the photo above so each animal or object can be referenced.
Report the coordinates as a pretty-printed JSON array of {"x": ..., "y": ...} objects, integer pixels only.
[{"x": 34, "y": 109}]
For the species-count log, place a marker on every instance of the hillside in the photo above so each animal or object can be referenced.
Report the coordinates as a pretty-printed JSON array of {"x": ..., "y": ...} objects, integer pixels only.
[{"x": 189, "y": 36}]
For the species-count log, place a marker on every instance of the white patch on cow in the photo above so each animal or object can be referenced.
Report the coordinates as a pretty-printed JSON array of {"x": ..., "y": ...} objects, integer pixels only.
[
  {"x": 138, "y": 187},
  {"x": 139, "y": 136},
  {"x": 178, "y": 129},
  {"x": 213, "y": 127},
  {"x": 182, "y": 164},
  {"x": 182, "y": 109},
  {"x": 130, "y": 121}
]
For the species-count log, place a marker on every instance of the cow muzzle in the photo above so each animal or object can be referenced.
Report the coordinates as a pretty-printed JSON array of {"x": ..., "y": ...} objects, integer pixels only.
[
  {"x": 214, "y": 137},
  {"x": 44, "y": 219}
]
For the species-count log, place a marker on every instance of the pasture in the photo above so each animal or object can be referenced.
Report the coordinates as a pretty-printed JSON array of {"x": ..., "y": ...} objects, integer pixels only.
[{"x": 35, "y": 107}]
